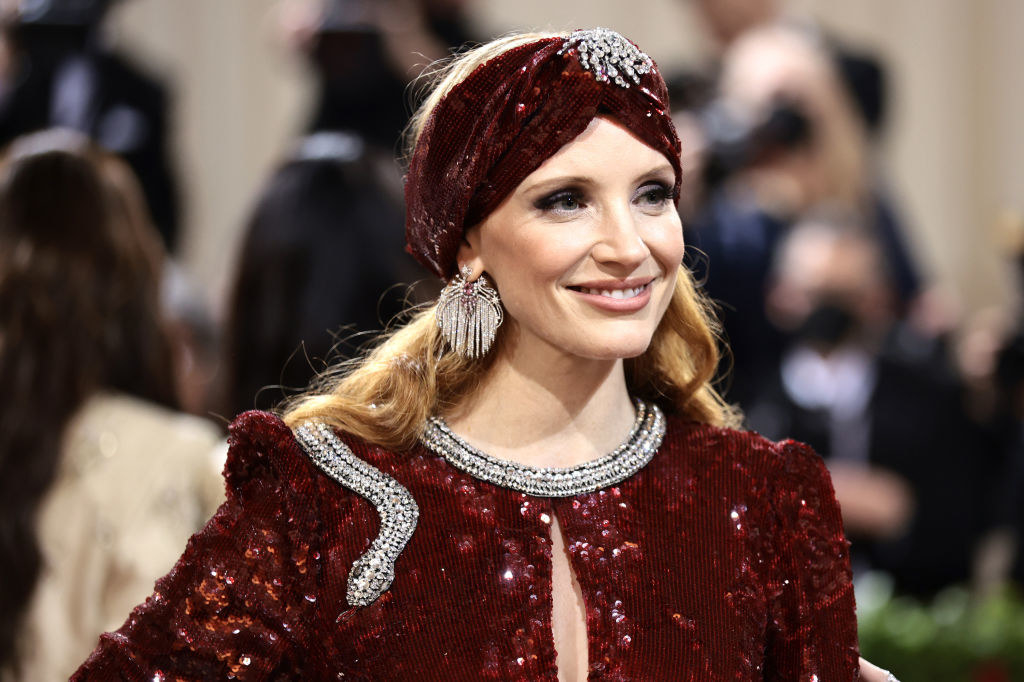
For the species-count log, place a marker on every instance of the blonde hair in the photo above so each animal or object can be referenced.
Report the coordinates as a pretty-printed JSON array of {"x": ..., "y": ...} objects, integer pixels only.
[{"x": 386, "y": 396}]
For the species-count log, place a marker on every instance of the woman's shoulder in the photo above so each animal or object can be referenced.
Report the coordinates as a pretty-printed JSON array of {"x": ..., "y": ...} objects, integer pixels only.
[
  {"x": 314, "y": 455},
  {"x": 787, "y": 479},
  {"x": 747, "y": 449},
  {"x": 263, "y": 447}
]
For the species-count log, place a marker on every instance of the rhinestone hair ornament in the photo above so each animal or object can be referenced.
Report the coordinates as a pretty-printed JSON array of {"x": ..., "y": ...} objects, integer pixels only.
[
  {"x": 512, "y": 113},
  {"x": 608, "y": 55}
]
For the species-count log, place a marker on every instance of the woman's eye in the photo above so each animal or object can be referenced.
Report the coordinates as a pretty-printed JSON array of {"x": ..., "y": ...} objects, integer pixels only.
[
  {"x": 565, "y": 201},
  {"x": 654, "y": 195}
]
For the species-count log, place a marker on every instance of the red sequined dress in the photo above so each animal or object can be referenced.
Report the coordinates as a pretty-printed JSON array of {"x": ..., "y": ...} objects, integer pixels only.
[{"x": 721, "y": 558}]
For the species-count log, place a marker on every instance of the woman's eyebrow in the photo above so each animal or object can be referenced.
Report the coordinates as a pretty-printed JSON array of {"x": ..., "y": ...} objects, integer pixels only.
[
  {"x": 658, "y": 169},
  {"x": 558, "y": 182},
  {"x": 561, "y": 181}
]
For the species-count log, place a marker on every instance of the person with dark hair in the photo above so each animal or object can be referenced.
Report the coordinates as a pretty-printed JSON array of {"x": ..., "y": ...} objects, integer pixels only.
[
  {"x": 319, "y": 270},
  {"x": 365, "y": 53},
  {"x": 533, "y": 478},
  {"x": 98, "y": 476}
]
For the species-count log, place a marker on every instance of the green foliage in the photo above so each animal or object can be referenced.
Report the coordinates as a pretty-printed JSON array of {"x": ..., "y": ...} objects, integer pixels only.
[{"x": 954, "y": 638}]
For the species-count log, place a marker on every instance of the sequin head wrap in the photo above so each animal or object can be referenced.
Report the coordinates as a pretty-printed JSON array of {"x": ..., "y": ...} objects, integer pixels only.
[{"x": 512, "y": 113}]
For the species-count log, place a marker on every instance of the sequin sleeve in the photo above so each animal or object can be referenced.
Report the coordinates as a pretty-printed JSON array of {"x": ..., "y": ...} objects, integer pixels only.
[
  {"x": 238, "y": 604},
  {"x": 813, "y": 629}
]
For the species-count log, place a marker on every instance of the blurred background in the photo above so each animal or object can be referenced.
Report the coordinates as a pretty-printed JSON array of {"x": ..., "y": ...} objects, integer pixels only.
[
  {"x": 953, "y": 147},
  {"x": 854, "y": 203}
]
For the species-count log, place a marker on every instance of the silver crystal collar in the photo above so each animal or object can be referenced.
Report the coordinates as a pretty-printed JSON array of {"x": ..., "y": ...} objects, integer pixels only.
[
  {"x": 635, "y": 452},
  {"x": 609, "y": 56}
]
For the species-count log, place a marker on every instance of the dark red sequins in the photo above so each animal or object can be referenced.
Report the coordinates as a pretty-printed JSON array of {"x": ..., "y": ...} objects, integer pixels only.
[{"x": 722, "y": 559}]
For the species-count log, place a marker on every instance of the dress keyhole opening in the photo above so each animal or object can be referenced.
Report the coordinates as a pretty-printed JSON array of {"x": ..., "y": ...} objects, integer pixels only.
[{"x": 568, "y": 613}]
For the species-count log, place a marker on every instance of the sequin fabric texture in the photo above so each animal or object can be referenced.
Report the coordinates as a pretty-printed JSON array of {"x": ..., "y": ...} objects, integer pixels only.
[{"x": 721, "y": 559}]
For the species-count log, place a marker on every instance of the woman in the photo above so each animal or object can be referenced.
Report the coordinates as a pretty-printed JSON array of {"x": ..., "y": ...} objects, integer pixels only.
[
  {"x": 100, "y": 482},
  {"x": 446, "y": 509}
]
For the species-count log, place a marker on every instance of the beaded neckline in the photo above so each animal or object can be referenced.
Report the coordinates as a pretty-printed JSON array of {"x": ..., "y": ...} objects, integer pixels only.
[{"x": 633, "y": 454}]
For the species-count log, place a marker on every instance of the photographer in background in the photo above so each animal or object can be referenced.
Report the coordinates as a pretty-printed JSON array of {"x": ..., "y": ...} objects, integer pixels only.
[
  {"x": 912, "y": 473},
  {"x": 779, "y": 137}
]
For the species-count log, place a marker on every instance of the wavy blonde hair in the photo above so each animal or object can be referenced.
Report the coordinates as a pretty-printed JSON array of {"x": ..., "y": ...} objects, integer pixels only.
[{"x": 386, "y": 396}]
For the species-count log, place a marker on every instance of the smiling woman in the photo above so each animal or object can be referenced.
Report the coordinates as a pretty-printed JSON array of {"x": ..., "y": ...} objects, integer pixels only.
[
  {"x": 532, "y": 479},
  {"x": 585, "y": 251}
]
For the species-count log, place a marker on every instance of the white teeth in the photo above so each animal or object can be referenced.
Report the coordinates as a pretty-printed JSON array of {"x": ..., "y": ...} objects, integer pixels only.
[{"x": 614, "y": 293}]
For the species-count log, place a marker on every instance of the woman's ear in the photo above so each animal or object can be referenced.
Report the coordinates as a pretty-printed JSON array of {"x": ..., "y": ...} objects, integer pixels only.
[{"x": 469, "y": 254}]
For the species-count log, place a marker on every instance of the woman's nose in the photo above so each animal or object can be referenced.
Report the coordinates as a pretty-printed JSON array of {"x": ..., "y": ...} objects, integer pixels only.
[{"x": 621, "y": 241}]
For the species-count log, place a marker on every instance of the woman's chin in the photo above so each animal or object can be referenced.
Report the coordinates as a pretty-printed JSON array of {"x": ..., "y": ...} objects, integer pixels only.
[{"x": 619, "y": 349}]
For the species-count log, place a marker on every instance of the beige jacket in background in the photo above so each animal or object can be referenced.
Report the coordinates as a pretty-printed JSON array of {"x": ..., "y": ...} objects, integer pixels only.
[{"x": 135, "y": 482}]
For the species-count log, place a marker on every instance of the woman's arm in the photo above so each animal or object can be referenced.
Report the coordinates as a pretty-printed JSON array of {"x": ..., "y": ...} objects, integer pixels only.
[
  {"x": 813, "y": 624},
  {"x": 223, "y": 611},
  {"x": 237, "y": 604}
]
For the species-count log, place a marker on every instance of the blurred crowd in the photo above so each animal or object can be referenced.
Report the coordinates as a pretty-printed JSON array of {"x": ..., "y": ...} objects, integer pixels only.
[
  {"x": 111, "y": 369},
  {"x": 837, "y": 336}
]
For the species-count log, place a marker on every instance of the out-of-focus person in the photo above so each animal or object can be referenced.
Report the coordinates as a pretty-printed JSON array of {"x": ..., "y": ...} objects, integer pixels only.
[
  {"x": 1009, "y": 376},
  {"x": 913, "y": 474},
  {"x": 863, "y": 74},
  {"x": 321, "y": 267},
  {"x": 365, "y": 53},
  {"x": 992, "y": 355},
  {"x": 56, "y": 70},
  {"x": 797, "y": 146},
  {"x": 101, "y": 480},
  {"x": 321, "y": 263}
]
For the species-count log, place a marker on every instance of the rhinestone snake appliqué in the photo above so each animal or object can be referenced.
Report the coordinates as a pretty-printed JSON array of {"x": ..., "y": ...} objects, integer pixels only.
[{"x": 373, "y": 572}]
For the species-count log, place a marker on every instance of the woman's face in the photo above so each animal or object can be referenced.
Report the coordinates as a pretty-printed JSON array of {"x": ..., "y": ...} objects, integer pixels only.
[{"x": 585, "y": 251}]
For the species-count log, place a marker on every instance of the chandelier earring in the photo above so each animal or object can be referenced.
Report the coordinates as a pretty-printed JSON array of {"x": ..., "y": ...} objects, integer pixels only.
[{"x": 469, "y": 314}]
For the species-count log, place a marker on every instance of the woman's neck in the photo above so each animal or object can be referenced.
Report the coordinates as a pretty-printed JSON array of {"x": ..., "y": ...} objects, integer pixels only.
[{"x": 548, "y": 410}]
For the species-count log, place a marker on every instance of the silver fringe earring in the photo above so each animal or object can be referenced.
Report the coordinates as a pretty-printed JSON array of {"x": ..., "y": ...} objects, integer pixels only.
[{"x": 469, "y": 314}]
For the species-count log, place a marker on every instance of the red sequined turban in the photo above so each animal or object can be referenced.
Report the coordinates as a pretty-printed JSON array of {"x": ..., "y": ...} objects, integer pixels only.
[{"x": 511, "y": 114}]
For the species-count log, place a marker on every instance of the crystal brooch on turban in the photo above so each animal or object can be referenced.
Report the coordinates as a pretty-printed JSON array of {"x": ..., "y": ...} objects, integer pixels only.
[{"x": 608, "y": 56}]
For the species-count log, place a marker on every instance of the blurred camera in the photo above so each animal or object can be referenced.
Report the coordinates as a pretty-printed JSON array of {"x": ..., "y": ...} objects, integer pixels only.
[{"x": 735, "y": 141}]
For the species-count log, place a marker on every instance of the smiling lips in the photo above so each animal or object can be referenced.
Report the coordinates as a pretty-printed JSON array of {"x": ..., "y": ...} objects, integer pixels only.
[
  {"x": 614, "y": 293},
  {"x": 626, "y": 296}
]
